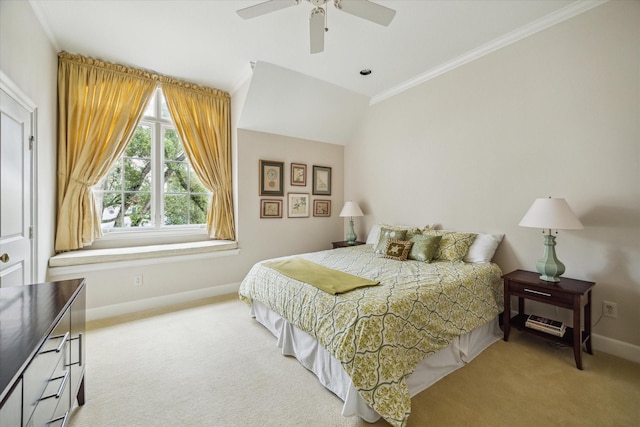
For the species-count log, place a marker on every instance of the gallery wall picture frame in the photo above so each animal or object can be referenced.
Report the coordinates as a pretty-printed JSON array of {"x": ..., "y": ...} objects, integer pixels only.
[
  {"x": 321, "y": 180},
  {"x": 297, "y": 205},
  {"x": 321, "y": 207},
  {"x": 270, "y": 208},
  {"x": 299, "y": 174},
  {"x": 271, "y": 178}
]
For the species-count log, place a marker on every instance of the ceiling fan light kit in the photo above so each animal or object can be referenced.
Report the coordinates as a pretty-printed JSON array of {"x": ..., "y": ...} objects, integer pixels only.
[{"x": 364, "y": 9}]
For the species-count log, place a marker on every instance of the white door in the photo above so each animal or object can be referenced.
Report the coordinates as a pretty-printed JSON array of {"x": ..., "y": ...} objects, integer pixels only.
[{"x": 15, "y": 192}]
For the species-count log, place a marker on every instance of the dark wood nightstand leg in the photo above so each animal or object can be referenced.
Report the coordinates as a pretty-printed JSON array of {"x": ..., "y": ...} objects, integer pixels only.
[
  {"x": 587, "y": 323},
  {"x": 577, "y": 332},
  {"x": 506, "y": 315}
]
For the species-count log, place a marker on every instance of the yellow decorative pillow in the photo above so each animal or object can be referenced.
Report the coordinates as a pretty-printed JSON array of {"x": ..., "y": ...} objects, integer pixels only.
[
  {"x": 453, "y": 246},
  {"x": 397, "y": 249}
]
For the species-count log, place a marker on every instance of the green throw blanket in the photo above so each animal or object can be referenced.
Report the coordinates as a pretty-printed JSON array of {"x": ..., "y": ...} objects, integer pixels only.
[{"x": 326, "y": 279}]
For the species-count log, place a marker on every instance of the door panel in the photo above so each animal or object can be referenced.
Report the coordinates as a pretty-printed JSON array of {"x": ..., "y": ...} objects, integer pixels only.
[{"x": 15, "y": 192}]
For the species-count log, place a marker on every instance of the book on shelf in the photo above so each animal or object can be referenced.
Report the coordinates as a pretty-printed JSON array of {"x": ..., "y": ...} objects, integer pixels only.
[{"x": 546, "y": 325}]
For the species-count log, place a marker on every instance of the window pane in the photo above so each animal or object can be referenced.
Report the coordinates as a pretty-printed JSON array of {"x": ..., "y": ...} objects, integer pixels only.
[
  {"x": 164, "y": 111},
  {"x": 176, "y": 209},
  {"x": 173, "y": 149},
  {"x": 151, "y": 106},
  {"x": 198, "y": 206},
  {"x": 175, "y": 177},
  {"x": 137, "y": 174},
  {"x": 140, "y": 144},
  {"x": 137, "y": 210},
  {"x": 113, "y": 180}
]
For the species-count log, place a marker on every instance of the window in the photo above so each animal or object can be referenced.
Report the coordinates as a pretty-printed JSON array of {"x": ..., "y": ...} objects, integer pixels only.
[{"x": 152, "y": 187}]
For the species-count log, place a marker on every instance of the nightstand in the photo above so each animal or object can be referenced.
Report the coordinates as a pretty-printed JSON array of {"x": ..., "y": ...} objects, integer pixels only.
[
  {"x": 344, "y": 244},
  {"x": 566, "y": 293}
]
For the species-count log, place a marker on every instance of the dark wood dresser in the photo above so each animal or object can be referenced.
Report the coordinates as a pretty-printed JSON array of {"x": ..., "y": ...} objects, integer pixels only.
[{"x": 42, "y": 352}]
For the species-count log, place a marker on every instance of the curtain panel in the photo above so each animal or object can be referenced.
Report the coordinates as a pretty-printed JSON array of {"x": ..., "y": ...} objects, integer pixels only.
[
  {"x": 203, "y": 122},
  {"x": 99, "y": 107}
]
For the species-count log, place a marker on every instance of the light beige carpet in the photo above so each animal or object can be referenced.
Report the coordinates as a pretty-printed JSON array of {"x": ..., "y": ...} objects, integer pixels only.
[{"x": 210, "y": 364}]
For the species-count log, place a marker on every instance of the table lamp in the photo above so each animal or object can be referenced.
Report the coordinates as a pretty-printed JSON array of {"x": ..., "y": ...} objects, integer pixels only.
[
  {"x": 350, "y": 210},
  {"x": 550, "y": 214}
]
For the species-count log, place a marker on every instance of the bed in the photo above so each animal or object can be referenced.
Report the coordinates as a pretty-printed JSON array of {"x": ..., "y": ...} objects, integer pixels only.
[{"x": 377, "y": 346}]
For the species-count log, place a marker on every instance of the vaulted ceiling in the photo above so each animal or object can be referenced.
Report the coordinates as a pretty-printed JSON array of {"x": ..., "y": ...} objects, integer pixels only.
[{"x": 206, "y": 42}]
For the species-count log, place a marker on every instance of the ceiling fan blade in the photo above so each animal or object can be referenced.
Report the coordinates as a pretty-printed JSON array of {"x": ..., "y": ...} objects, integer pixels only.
[
  {"x": 316, "y": 30},
  {"x": 367, "y": 10},
  {"x": 265, "y": 7}
]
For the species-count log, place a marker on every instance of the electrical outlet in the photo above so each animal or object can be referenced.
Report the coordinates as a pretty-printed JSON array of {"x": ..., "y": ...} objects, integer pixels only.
[
  {"x": 137, "y": 280},
  {"x": 609, "y": 309}
]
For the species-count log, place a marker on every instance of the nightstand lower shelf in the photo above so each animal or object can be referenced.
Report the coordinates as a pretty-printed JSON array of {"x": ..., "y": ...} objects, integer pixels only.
[{"x": 518, "y": 321}]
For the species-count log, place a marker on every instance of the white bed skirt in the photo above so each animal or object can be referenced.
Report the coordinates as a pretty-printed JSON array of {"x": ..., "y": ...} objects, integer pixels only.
[{"x": 295, "y": 342}]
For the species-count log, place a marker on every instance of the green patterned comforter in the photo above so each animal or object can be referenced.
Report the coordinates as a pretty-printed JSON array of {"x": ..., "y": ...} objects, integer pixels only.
[{"x": 380, "y": 333}]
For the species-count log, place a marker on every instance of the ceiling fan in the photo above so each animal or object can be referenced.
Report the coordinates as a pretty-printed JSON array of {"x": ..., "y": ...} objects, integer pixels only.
[{"x": 317, "y": 22}]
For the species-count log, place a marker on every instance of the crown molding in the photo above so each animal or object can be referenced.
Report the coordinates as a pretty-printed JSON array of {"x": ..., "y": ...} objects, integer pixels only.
[{"x": 561, "y": 15}]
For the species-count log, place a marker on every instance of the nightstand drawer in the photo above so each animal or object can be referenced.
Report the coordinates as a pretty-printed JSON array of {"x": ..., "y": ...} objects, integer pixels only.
[{"x": 541, "y": 294}]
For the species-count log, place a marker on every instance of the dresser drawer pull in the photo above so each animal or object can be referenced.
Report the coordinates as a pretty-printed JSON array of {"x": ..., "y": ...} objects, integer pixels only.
[
  {"x": 79, "y": 362},
  {"x": 544, "y": 294},
  {"x": 63, "y": 418},
  {"x": 63, "y": 339},
  {"x": 60, "y": 389}
]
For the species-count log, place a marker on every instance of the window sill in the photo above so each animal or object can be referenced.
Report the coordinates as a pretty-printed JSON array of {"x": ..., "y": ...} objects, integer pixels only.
[{"x": 102, "y": 259}]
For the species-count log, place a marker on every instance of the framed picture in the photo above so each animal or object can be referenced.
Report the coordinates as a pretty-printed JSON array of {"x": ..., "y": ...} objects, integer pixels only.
[
  {"x": 322, "y": 208},
  {"x": 298, "y": 205},
  {"x": 271, "y": 178},
  {"x": 322, "y": 180},
  {"x": 270, "y": 208},
  {"x": 298, "y": 174}
]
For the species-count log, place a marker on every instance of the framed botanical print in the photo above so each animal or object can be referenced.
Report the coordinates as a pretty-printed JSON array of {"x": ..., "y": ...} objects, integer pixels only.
[
  {"x": 271, "y": 178},
  {"x": 298, "y": 205},
  {"x": 321, "y": 180},
  {"x": 270, "y": 208},
  {"x": 298, "y": 174},
  {"x": 322, "y": 207}
]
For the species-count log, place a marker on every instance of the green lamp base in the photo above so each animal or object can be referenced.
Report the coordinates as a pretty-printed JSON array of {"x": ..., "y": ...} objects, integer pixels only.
[
  {"x": 549, "y": 267},
  {"x": 351, "y": 234}
]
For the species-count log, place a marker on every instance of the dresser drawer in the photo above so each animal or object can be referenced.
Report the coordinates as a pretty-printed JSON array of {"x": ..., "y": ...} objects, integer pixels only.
[
  {"x": 558, "y": 297},
  {"x": 45, "y": 376},
  {"x": 11, "y": 409},
  {"x": 56, "y": 394}
]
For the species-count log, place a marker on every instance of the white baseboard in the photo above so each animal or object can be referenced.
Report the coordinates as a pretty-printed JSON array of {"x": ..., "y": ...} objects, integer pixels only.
[
  {"x": 159, "y": 302},
  {"x": 617, "y": 348}
]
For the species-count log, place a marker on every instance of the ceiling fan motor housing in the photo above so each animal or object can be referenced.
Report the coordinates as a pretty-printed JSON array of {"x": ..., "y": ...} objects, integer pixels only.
[{"x": 364, "y": 9}]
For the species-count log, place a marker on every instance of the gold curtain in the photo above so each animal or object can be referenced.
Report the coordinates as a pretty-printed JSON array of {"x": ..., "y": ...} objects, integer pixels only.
[
  {"x": 99, "y": 107},
  {"x": 202, "y": 119}
]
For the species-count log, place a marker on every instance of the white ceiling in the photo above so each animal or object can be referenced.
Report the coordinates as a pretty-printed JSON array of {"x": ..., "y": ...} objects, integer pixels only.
[{"x": 206, "y": 42}]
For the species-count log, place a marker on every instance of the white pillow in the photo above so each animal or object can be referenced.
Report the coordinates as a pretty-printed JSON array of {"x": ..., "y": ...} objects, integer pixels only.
[
  {"x": 374, "y": 235},
  {"x": 483, "y": 248}
]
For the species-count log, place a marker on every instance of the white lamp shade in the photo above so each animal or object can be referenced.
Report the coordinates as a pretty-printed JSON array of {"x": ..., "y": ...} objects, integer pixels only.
[
  {"x": 351, "y": 209},
  {"x": 551, "y": 213}
]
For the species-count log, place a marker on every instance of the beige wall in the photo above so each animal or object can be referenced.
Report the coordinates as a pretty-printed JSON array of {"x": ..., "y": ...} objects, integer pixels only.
[
  {"x": 261, "y": 238},
  {"x": 31, "y": 63},
  {"x": 556, "y": 114}
]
